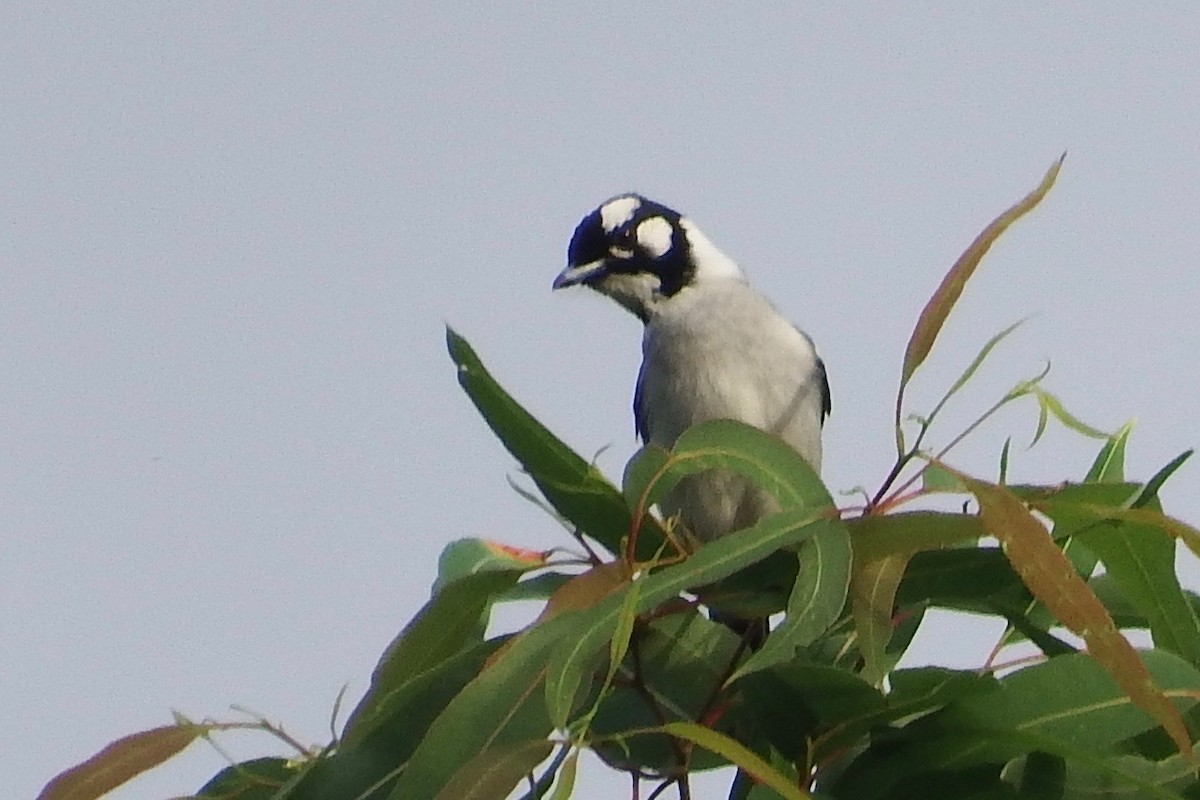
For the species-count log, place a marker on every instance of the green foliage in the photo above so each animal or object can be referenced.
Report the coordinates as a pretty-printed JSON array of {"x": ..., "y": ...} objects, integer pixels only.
[{"x": 624, "y": 661}]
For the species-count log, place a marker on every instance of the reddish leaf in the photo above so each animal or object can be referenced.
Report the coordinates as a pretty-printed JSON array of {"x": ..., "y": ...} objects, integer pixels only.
[
  {"x": 934, "y": 315},
  {"x": 1052, "y": 579},
  {"x": 122, "y": 760},
  {"x": 585, "y": 590}
]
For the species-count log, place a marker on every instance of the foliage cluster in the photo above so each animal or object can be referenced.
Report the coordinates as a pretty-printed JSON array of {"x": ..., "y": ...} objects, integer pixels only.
[{"x": 625, "y": 663}]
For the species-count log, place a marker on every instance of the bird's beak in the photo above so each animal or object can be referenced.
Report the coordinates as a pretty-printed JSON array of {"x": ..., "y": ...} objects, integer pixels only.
[{"x": 583, "y": 273}]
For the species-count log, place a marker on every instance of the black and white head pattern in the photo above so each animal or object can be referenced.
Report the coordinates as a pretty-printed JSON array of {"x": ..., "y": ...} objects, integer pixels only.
[{"x": 633, "y": 246}]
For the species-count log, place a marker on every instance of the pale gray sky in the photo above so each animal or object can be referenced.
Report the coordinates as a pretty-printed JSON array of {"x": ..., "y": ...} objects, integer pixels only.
[{"x": 233, "y": 445}]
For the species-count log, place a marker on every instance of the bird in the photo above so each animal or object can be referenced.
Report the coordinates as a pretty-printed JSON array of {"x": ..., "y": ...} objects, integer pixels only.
[{"x": 712, "y": 348}]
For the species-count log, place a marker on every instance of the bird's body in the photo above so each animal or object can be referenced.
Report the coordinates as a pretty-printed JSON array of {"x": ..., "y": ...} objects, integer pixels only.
[
  {"x": 722, "y": 352},
  {"x": 713, "y": 348}
]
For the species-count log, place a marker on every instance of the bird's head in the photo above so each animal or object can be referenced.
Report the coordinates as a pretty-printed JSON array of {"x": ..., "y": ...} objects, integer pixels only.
[{"x": 641, "y": 253}]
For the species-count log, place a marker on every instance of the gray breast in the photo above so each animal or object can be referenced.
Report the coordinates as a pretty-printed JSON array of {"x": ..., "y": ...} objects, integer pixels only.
[{"x": 727, "y": 354}]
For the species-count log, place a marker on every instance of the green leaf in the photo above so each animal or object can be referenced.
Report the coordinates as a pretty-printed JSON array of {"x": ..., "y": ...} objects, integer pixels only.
[
  {"x": 935, "y": 478},
  {"x": 873, "y": 594},
  {"x": 1049, "y": 405},
  {"x": 958, "y": 578},
  {"x": 592, "y": 629},
  {"x": 819, "y": 591},
  {"x": 1150, "y": 492},
  {"x": 618, "y": 646},
  {"x": 1127, "y": 776},
  {"x": 468, "y": 556},
  {"x": 912, "y": 532},
  {"x": 973, "y": 367},
  {"x": 452, "y": 621},
  {"x": 794, "y": 703},
  {"x": 815, "y": 603},
  {"x": 737, "y": 754},
  {"x": 121, "y": 761},
  {"x": 1066, "y": 706},
  {"x": 1043, "y": 776},
  {"x": 918, "y": 691},
  {"x": 567, "y": 669},
  {"x": 883, "y": 546},
  {"x": 573, "y": 486},
  {"x": 1071, "y": 699},
  {"x": 1141, "y": 560},
  {"x": 1109, "y": 466},
  {"x": 679, "y": 660},
  {"x": 257, "y": 779},
  {"x": 566, "y": 778},
  {"x": 641, "y": 484},
  {"x": 765, "y": 460},
  {"x": 937, "y": 756},
  {"x": 367, "y": 768},
  {"x": 934, "y": 315},
  {"x": 492, "y": 773},
  {"x": 500, "y": 707},
  {"x": 1051, "y": 578},
  {"x": 539, "y": 587}
]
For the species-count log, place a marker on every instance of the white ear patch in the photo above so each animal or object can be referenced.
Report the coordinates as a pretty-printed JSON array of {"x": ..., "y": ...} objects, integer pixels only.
[
  {"x": 654, "y": 236},
  {"x": 710, "y": 263},
  {"x": 616, "y": 213}
]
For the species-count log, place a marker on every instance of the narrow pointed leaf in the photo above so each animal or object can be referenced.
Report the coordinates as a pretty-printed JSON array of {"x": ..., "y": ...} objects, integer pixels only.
[
  {"x": 121, "y": 761},
  {"x": 934, "y": 315},
  {"x": 873, "y": 593},
  {"x": 590, "y": 631},
  {"x": 936, "y": 479},
  {"x": 565, "y": 674},
  {"x": 449, "y": 623},
  {"x": 1173, "y": 527},
  {"x": 1071, "y": 699},
  {"x": 565, "y": 784},
  {"x": 883, "y": 546},
  {"x": 1066, "y": 706},
  {"x": 1109, "y": 466},
  {"x": 819, "y": 592},
  {"x": 502, "y": 706},
  {"x": 1150, "y": 492},
  {"x": 494, "y": 772},
  {"x": 973, "y": 367},
  {"x": 736, "y": 753},
  {"x": 257, "y": 779},
  {"x": 1051, "y": 404},
  {"x": 816, "y": 600},
  {"x": 573, "y": 486},
  {"x": 1140, "y": 559},
  {"x": 1053, "y": 580}
]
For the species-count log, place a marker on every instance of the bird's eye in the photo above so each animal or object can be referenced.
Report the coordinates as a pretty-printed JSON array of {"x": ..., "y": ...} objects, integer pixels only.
[{"x": 624, "y": 243}]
